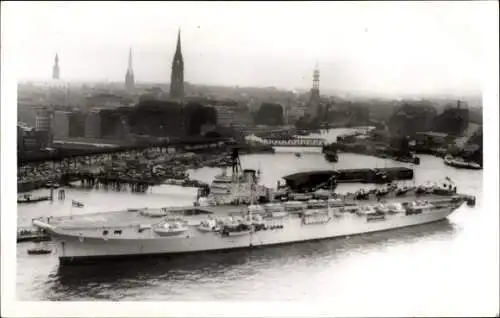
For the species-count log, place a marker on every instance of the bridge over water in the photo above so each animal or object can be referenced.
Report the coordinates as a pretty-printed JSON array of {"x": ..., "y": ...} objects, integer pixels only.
[{"x": 295, "y": 142}]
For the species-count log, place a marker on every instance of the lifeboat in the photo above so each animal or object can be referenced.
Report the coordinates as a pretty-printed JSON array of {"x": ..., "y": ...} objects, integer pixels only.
[
  {"x": 208, "y": 226},
  {"x": 236, "y": 230},
  {"x": 381, "y": 208},
  {"x": 418, "y": 207},
  {"x": 394, "y": 208},
  {"x": 171, "y": 228},
  {"x": 315, "y": 217}
]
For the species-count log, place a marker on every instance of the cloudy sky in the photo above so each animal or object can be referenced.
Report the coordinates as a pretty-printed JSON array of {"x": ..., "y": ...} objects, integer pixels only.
[{"x": 384, "y": 48}]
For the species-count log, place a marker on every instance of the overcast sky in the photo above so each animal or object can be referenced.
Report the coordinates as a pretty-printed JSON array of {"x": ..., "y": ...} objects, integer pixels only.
[{"x": 385, "y": 48}]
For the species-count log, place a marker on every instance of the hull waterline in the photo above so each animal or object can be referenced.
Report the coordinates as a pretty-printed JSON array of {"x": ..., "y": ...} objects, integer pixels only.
[{"x": 76, "y": 249}]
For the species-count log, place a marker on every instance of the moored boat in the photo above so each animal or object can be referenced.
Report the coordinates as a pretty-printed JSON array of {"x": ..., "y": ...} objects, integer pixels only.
[{"x": 461, "y": 163}]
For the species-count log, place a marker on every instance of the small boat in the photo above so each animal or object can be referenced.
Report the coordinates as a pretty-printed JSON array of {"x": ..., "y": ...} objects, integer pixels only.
[
  {"x": 461, "y": 163},
  {"x": 331, "y": 155},
  {"x": 209, "y": 225},
  {"x": 77, "y": 204},
  {"x": 52, "y": 185},
  {"x": 39, "y": 250},
  {"x": 157, "y": 213},
  {"x": 394, "y": 208},
  {"x": 401, "y": 191},
  {"x": 236, "y": 230},
  {"x": 382, "y": 208},
  {"x": 171, "y": 228},
  {"x": 418, "y": 207},
  {"x": 29, "y": 199},
  {"x": 298, "y": 154}
]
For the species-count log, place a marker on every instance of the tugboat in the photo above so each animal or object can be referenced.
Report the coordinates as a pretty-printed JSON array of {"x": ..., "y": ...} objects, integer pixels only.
[
  {"x": 461, "y": 163},
  {"x": 51, "y": 185},
  {"x": 39, "y": 250},
  {"x": 330, "y": 154}
]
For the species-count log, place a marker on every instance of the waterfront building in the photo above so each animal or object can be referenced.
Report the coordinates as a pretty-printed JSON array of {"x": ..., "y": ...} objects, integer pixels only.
[
  {"x": 43, "y": 119},
  {"x": 177, "y": 75},
  {"x": 230, "y": 116},
  {"x": 29, "y": 139}
]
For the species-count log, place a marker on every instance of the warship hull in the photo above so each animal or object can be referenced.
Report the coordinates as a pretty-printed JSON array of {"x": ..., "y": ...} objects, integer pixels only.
[{"x": 90, "y": 246}]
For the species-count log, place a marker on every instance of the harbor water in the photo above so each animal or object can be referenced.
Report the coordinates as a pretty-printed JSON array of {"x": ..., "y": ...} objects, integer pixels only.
[{"x": 433, "y": 268}]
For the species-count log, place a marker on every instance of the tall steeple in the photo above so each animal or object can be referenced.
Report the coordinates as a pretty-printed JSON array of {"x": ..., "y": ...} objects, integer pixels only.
[
  {"x": 314, "y": 100},
  {"x": 129, "y": 76},
  {"x": 315, "y": 86},
  {"x": 55, "y": 68},
  {"x": 177, "y": 75}
]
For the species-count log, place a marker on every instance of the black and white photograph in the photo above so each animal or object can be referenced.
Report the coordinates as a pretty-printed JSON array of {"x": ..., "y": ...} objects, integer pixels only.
[{"x": 250, "y": 159}]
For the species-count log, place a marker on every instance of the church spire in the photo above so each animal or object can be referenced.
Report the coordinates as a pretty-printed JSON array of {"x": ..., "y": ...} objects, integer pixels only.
[
  {"x": 130, "y": 69},
  {"x": 129, "y": 76},
  {"x": 177, "y": 75},
  {"x": 178, "y": 49},
  {"x": 55, "y": 68}
]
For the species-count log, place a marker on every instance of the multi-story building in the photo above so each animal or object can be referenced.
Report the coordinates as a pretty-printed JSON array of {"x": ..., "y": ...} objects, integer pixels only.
[
  {"x": 77, "y": 124},
  {"x": 61, "y": 124},
  {"x": 29, "y": 139},
  {"x": 43, "y": 119},
  {"x": 231, "y": 116},
  {"x": 106, "y": 100},
  {"x": 43, "y": 126},
  {"x": 93, "y": 124}
]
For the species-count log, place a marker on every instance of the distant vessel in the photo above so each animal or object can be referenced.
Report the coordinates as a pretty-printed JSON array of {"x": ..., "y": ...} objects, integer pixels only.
[
  {"x": 29, "y": 199},
  {"x": 39, "y": 250},
  {"x": 330, "y": 153},
  {"x": 198, "y": 229},
  {"x": 461, "y": 163},
  {"x": 298, "y": 154}
]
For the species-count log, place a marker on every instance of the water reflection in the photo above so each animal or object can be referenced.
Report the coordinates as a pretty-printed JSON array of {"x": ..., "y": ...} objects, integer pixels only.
[{"x": 110, "y": 279}]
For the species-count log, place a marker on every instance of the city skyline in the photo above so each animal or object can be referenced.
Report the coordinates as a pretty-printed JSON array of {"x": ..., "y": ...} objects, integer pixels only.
[{"x": 377, "y": 52}]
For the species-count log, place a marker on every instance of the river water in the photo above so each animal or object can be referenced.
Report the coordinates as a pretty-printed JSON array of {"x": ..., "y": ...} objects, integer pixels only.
[{"x": 436, "y": 268}]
